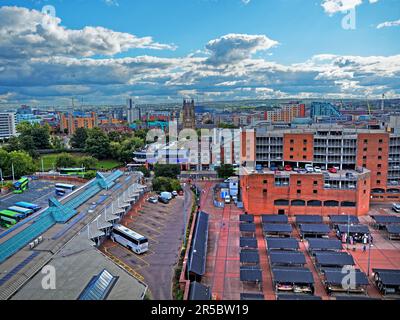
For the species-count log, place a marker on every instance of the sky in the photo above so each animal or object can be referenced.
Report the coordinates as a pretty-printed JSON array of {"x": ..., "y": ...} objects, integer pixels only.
[{"x": 160, "y": 51}]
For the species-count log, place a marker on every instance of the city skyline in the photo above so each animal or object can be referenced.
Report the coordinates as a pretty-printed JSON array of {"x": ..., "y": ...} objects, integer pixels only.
[{"x": 105, "y": 51}]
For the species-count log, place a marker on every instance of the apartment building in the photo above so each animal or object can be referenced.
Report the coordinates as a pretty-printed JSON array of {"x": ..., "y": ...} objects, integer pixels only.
[
  {"x": 286, "y": 112},
  {"x": 371, "y": 157},
  {"x": 7, "y": 125}
]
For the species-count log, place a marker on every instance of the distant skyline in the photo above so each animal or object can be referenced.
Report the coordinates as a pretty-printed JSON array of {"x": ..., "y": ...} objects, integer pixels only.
[{"x": 103, "y": 51}]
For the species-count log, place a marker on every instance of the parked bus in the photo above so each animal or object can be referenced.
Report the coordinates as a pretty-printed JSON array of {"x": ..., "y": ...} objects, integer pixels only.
[
  {"x": 26, "y": 212},
  {"x": 130, "y": 239},
  {"x": 64, "y": 186},
  {"x": 79, "y": 172},
  {"x": 9, "y": 218},
  {"x": 21, "y": 185},
  {"x": 28, "y": 205}
]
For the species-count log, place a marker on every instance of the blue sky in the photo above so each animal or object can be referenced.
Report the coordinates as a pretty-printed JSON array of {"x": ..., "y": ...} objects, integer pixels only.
[{"x": 279, "y": 48}]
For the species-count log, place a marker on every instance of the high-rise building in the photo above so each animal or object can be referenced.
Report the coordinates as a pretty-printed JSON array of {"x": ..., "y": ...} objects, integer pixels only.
[
  {"x": 189, "y": 115},
  {"x": 7, "y": 125},
  {"x": 286, "y": 112},
  {"x": 71, "y": 122},
  {"x": 133, "y": 113}
]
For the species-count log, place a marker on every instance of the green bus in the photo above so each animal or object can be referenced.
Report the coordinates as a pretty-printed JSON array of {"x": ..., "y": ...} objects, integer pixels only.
[
  {"x": 9, "y": 218},
  {"x": 78, "y": 172},
  {"x": 21, "y": 185}
]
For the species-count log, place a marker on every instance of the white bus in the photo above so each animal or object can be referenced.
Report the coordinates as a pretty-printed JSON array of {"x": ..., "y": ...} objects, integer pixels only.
[
  {"x": 64, "y": 186},
  {"x": 130, "y": 239}
]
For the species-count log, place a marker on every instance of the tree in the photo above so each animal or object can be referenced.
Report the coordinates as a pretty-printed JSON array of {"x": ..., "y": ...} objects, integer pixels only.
[
  {"x": 166, "y": 184},
  {"x": 57, "y": 143},
  {"x": 98, "y": 144},
  {"x": 23, "y": 163},
  {"x": 65, "y": 160},
  {"x": 167, "y": 170},
  {"x": 41, "y": 136},
  {"x": 141, "y": 133},
  {"x": 225, "y": 171},
  {"x": 144, "y": 170},
  {"x": 78, "y": 139},
  {"x": 88, "y": 162}
]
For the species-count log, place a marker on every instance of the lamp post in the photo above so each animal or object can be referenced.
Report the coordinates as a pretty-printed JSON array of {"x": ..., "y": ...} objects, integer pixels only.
[
  {"x": 1, "y": 177},
  {"x": 369, "y": 253}
]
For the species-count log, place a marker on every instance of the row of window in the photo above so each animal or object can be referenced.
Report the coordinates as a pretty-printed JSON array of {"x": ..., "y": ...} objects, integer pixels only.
[{"x": 314, "y": 203}]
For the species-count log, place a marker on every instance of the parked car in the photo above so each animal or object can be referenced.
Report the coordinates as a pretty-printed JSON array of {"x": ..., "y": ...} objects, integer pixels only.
[
  {"x": 152, "y": 200},
  {"x": 174, "y": 193},
  {"x": 332, "y": 170},
  {"x": 163, "y": 200},
  {"x": 309, "y": 168},
  {"x": 166, "y": 195},
  {"x": 281, "y": 168},
  {"x": 317, "y": 169},
  {"x": 227, "y": 199},
  {"x": 288, "y": 167},
  {"x": 396, "y": 207}
]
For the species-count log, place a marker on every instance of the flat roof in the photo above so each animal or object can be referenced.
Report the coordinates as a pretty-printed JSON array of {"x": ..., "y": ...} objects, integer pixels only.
[
  {"x": 292, "y": 275},
  {"x": 385, "y": 219},
  {"x": 198, "y": 249},
  {"x": 315, "y": 228},
  {"x": 324, "y": 244},
  {"x": 246, "y": 218},
  {"x": 248, "y": 242},
  {"x": 282, "y": 243},
  {"x": 198, "y": 291},
  {"x": 343, "y": 219},
  {"x": 388, "y": 277},
  {"x": 358, "y": 228},
  {"x": 336, "y": 277},
  {"x": 76, "y": 264},
  {"x": 247, "y": 227},
  {"x": 277, "y": 257},
  {"x": 334, "y": 259},
  {"x": 393, "y": 228},
  {"x": 308, "y": 218},
  {"x": 250, "y": 274},
  {"x": 249, "y": 256},
  {"x": 274, "y": 218},
  {"x": 277, "y": 228}
]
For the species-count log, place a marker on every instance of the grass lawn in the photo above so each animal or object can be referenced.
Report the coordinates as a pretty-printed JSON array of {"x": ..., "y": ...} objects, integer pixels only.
[{"x": 50, "y": 159}]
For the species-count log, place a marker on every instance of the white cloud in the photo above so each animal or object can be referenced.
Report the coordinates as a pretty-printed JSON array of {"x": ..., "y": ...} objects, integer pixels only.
[
  {"x": 334, "y": 6},
  {"x": 388, "y": 24},
  {"x": 233, "y": 48}
]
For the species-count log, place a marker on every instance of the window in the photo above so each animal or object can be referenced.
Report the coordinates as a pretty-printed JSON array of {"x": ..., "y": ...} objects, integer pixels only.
[
  {"x": 379, "y": 165},
  {"x": 331, "y": 203},
  {"x": 365, "y": 149},
  {"x": 291, "y": 149},
  {"x": 380, "y": 149},
  {"x": 265, "y": 191},
  {"x": 314, "y": 203},
  {"x": 364, "y": 157},
  {"x": 298, "y": 203},
  {"x": 305, "y": 141},
  {"x": 304, "y": 149},
  {"x": 281, "y": 202},
  {"x": 315, "y": 183},
  {"x": 378, "y": 181},
  {"x": 304, "y": 157},
  {"x": 365, "y": 141},
  {"x": 265, "y": 181},
  {"x": 365, "y": 191},
  {"x": 291, "y": 141},
  {"x": 379, "y": 173},
  {"x": 315, "y": 191},
  {"x": 291, "y": 157},
  {"x": 380, "y": 141},
  {"x": 348, "y": 204},
  {"x": 299, "y": 182},
  {"x": 379, "y": 157},
  {"x": 298, "y": 191}
]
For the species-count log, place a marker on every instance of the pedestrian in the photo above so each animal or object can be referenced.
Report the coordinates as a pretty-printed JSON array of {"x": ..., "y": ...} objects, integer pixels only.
[{"x": 364, "y": 248}]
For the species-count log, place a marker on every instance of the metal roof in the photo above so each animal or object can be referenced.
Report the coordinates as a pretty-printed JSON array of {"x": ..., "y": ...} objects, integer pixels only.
[
  {"x": 198, "y": 250},
  {"x": 250, "y": 274},
  {"x": 292, "y": 275},
  {"x": 297, "y": 297},
  {"x": 310, "y": 218},
  {"x": 337, "y": 277},
  {"x": 334, "y": 259},
  {"x": 286, "y": 258},
  {"x": 99, "y": 287},
  {"x": 393, "y": 228},
  {"x": 247, "y": 227},
  {"x": 274, "y": 218},
  {"x": 385, "y": 219},
  {"x": 246, "y": 218},
  {"x": 277, "y": 228},
  {"x": 324, "y": 244},
  {"x": 343, "y": 219},
  {"x": 251, "y": 296},
  {"x": 282, "y": 243},
  {"x": 198, "y": 291},
  {"x": 358, "y": 228},
  {"x": 248, "y": 242},
  {"x": 249, "y": 256},
  {"x": 315, "y": 228},
  {"x": 388, "y": 277}
]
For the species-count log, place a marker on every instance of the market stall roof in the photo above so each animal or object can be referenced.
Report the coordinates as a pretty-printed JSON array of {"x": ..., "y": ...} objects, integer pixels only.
[
  {"x": 336, "y": 277},
  {"x": 297, "y": 297},
  {"x": 282, "y": 243},
  {"x": 343, "y": 219},
  {"x": 357, "y": 228},
  {"x": 277, "y": 228},
  {"x": 246, "y": 218},
  {"x": 250, "y": 274},
  {"x": 249, "y": 256},
  {"x": 388, "y": 277},
  {"x": 314, "y": 228},
  {"x": 274, "y": 218},
  {"x": 199, "y": 291},
  {"x": 248, "y": 242},
  {"x": 393, "y": 228},
  {"x": 198, "y": 250},
  {"x": 247, "y": 227},
  {"x": 324, "y": 244},
  {"x": 251, "y": 296},
  {"x": 334, "y": 259},
  {"x": 385, "y": 219},
  {"x": 292, "y": 275},
  {"x": 286, "y": 258},
  {"x": 308, "y": 218}
]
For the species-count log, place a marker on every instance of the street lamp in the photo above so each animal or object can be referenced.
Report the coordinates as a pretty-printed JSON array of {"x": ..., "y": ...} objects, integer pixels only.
[{"x": 369, "y": 253}]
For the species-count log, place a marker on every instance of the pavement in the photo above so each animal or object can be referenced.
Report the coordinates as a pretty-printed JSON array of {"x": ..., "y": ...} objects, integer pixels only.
[{"x": 164, "y": 227}]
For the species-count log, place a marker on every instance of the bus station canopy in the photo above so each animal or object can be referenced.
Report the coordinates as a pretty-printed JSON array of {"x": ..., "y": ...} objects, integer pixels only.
[
  {"x": 343, "y": 219},
  {"x": 358, "y": 228},
  {"x": 288, "y": 258},
  {"x": 314, "y": 228},
  {"x": 247, "y": 227},
  {"x": 248, "y": 242},
  {"x": 337, "y": 259},
  {"x": 198, "y": 250},
  {"x": 282, "y": 243},
  {"x": 308, "y": 218},
  {"x": 324, "y": 244},
  {"x": 246, "y": 218},
  {"x": 385, "y": 219},
  {"x": 292, "y": 275},
  {"x": 274, "y": 218},
  {"x": 393, "y": 228},
  {"x": 249, "y": 274},
  {"x": 277, "y": 228},
  {"x": 249, "y": 256}
]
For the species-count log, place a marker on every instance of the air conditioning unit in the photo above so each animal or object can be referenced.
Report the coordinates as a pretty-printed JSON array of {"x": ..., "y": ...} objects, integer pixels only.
[
  {"x": 31, "y": 245},
  {"x": 36, "y": 242}
]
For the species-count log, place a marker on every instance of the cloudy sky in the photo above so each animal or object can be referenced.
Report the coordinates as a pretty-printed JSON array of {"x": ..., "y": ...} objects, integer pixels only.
[{"x": 102, "y": 51}]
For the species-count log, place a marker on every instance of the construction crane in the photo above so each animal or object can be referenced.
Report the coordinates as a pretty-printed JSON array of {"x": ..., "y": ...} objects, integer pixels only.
[
  {"x": 369, "y": 107},
  {"x": 383, "y": 102}
]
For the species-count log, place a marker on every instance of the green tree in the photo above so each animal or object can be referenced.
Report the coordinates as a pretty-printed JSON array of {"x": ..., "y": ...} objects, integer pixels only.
[
  {"x": 98, "y": 144},
  {"x": 166, "y": 184},
  {"x": 57, "y": 143},
  {"x": 225, "y": 171},
  {"x": 88, "y": 162},
  {"x": 41, "y": 136},
  {"x": 78, "y": 139},
  {"x": 23, "y": 163},
  {"x": 145, "y": 171},
  {"x": 167, "y": 170},
  {"x": 65, "y": 160}
]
